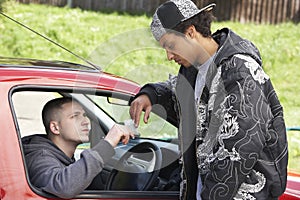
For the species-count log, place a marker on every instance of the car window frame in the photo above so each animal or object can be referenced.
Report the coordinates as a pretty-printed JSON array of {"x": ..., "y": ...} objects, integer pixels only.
[{"x": 87, "y": 194}]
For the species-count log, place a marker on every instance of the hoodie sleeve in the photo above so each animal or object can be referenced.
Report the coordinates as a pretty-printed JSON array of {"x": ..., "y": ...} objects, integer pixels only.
[
  {"x": 162, "y": 93},
  {"x": 49, "y": 174},
  {"x": 245, "y": 116}
]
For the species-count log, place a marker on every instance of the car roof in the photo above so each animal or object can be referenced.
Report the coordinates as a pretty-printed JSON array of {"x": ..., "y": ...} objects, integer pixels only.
[
  {"x": 34, "y": 63},
  {"x": 25, "y": 71}
]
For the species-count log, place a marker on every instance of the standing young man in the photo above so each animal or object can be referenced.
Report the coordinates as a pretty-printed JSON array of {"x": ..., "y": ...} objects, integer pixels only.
[
  {"x": 50, "y": 158},
  {"x": 231, "y": 127}
]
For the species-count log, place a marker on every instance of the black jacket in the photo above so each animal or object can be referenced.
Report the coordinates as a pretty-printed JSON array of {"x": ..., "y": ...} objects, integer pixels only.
[{"x": 235, "y": 135}]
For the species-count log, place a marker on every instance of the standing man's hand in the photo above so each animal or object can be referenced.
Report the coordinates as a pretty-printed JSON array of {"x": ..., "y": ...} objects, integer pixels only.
[
  {"x": 119, "y": 133},
  {"x": 141, "y": 103}
]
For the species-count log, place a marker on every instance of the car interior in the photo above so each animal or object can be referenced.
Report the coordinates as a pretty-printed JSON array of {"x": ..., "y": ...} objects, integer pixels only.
[{"x": 147, "y": 165}]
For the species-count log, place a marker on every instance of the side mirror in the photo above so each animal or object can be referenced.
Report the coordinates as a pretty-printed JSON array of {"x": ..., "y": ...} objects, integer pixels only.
[{"x": 117, "y": 101}]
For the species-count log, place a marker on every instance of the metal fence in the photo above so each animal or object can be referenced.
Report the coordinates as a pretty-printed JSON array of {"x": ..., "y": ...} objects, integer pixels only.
[{"x": 258, "y": 11}]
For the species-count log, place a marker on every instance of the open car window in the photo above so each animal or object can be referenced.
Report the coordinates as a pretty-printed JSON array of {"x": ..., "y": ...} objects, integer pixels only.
[
  {"x": 157, "y": 127},
  {"x": 28, "y": 110},
  {"x": 27, "y": 105}
]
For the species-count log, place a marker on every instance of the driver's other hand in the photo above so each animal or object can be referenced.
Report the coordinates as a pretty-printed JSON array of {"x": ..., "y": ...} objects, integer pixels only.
[
  {"x": 141, "y": 103},
  {"x": 118, "y": 133}
]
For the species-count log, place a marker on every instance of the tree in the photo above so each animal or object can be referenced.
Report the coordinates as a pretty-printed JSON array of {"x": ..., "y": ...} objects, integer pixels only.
[{"x": 2, "y": 4}]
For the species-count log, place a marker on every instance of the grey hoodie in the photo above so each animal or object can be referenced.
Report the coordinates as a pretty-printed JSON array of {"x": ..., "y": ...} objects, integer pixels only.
[{"x": 54, "y": 172}]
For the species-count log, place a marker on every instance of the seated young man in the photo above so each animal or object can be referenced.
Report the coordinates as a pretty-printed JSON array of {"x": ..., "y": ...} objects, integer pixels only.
[{"x": 50, "y": 158}]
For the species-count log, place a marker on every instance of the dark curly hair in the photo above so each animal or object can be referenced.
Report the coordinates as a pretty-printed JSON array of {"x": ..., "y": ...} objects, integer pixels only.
[{"x": 202, "y": 23}]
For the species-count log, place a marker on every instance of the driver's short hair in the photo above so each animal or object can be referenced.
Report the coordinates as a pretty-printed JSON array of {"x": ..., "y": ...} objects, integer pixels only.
[{"x": 51, "y": 109}]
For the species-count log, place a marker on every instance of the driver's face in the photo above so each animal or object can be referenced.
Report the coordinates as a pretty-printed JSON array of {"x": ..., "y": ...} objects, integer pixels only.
[{"x": 74, "y": 124}]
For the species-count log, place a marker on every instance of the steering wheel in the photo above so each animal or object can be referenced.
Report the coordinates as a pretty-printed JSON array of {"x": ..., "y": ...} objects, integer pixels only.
[{"x": 137, "y": 169}]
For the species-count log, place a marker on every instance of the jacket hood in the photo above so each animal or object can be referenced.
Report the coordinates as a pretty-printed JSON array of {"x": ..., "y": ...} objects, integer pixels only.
[
  {"x": 41, "y": 144},
  {"x": 232, "y": 44}
]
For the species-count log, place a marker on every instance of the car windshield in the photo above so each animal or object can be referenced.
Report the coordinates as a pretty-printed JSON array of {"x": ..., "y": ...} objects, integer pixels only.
[{"x": 156, "y": 128}]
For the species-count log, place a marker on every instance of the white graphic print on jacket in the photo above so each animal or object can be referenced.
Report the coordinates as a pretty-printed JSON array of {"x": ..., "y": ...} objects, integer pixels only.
[{"x": 228, "y": 129}]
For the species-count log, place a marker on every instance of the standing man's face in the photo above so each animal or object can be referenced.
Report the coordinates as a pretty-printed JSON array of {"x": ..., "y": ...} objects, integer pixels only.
[
  {"x": 74, "y": 125},
  {"x": 178, "y": 48}
]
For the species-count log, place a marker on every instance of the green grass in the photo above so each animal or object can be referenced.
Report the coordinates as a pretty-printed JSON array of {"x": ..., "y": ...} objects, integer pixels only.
[
  {"x": 122, "y": 44},
  {"x": 294, "y": 150}
]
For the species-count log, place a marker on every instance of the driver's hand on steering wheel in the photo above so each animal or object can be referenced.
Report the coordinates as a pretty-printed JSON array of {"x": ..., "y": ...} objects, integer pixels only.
[
  {"x": 141, "y": 103},
  {"x": 119, "y": 133}
]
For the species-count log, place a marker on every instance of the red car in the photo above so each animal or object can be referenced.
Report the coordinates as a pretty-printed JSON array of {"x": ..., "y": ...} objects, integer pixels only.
[
  {"x": 25, "y": 87},
  {"x": 27, "y": 84}
]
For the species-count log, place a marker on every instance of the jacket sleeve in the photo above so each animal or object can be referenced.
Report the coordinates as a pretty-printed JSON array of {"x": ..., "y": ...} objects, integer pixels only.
[
  {"x": 244, "y": 115},
  {"x": 53, "y": 177},
  {"x": 162, "y": 93}
]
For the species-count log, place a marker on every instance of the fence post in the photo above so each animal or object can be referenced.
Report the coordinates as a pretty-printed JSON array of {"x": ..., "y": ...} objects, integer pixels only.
[{"x": 70, "y": 3}]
